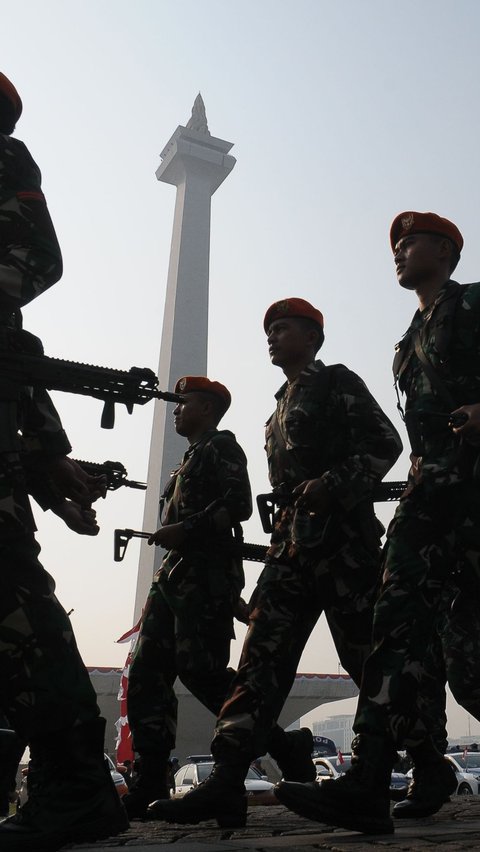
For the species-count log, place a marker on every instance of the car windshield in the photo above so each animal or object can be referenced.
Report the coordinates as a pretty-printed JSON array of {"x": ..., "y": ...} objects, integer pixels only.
[
  {"x": 204, "y": 770},
  {"x": 341, "y": 766},
  {"x": 253, "y": 774},
  {"x": 471, "y": 760}
]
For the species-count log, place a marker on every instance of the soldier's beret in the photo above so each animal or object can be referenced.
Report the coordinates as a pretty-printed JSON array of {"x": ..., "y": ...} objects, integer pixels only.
[
  {"x": 8, "y": 89},
  {"x": 424, "y": 223},
  {"x": 200, "y": 384},
  {"x": 291, "y": 308}
]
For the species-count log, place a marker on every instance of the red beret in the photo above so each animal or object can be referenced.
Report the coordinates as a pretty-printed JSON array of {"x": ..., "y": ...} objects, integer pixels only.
[
  {"x": 291, "y": 308},
  {"x": 424, "y": 223},
  {"x": 200, "y": 384},
  {"x": 8, "y": 89}
]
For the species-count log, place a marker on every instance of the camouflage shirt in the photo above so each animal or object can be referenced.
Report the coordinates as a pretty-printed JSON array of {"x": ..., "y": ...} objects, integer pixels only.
[
  {"x": 30, "y": 257},
  {"x": 446, "y": 458},
  {"x": 210, "y": 493},
  {"x": 30, "y": 262},
  {"x": 332, "y": 429}
]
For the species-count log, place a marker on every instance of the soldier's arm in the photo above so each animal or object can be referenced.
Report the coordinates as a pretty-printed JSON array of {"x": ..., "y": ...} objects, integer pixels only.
[
  {"x": 51, "y": 476},
  {"x": 226, "y": 459},
  {"x": 375, "y": 444},
  {"x": 230, "y": 464},
  {"x": 469, "y": 317},
  {"x": 30, "y": 260}
]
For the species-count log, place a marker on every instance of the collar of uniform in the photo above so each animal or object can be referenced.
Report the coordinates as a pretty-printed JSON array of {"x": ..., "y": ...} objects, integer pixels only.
[
  {"x": 305, "y": 378},
  {"x": 448, "y": 290},
  {"x": 201, "y": 440}
]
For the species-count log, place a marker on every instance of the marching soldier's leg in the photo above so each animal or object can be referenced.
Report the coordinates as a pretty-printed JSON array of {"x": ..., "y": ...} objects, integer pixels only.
[
  {"x": 152, "y": 703},
  {"x": 417, "y": 560},
  {"x": 48, "y": 697},
  {"x": 266, "y": 672}
]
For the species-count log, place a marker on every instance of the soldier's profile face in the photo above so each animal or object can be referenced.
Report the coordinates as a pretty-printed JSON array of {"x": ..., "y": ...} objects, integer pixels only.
[
  {"x": 189, "y": 414},
  {"x": 416, "y": 260},
  {"x": 287, "y": 341}
]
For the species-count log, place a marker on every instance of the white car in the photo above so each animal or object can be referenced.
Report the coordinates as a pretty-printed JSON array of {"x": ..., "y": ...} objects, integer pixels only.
[
  {"x": 334, "y": 766},
  {"x": 192, "y": 774},
  {"x": 331, "y": 767},
  {"x": 117, "y": 779},
  {"x": 467, "y": 768}
]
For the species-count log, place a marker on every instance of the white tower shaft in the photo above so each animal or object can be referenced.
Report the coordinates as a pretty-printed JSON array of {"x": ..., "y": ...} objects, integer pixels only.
[{"x": 196, "y": 163}]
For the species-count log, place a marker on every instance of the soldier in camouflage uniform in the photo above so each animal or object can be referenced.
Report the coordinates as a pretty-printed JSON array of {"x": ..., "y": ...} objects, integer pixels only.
[
  {"x": 432, "y": 551},
  {"x": 328, "y": 444},
  {"x": 46, "y": 692},
  {"x": 187, "y": 625}
]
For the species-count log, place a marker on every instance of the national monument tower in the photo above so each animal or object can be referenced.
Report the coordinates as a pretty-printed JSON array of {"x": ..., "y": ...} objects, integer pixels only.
[{"x": 196, "y": 163}]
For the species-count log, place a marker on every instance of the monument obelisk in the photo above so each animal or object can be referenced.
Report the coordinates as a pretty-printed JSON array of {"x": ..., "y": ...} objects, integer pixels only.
[{"x": 196, "y": 163}]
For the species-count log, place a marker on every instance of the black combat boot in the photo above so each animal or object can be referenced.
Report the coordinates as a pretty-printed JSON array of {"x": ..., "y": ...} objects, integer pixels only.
[
  {"x": 434, "y": 780},
  {"x": 73, "y": 799},
  {"x": 149, "y": 785},
  {"x": 358, "y": 800},
  {"x": 222, "y": 796},
  {"x": 292, "y": 750}
]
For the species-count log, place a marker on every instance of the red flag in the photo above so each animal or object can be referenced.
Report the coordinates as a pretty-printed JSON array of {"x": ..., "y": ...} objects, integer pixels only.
[
  {"x": 130, "y": 634},
  {"x": 124, "y": 736},
  {"x": 340, "y": 757}
]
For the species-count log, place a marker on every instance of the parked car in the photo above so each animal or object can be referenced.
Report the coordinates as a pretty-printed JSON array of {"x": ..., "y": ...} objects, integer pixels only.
[
  {"x": 467, "y": 768},
  {"x": 333, "y": 767},
  {"x": 192, "y": 774},
  {"x": 117, "y": 779}
]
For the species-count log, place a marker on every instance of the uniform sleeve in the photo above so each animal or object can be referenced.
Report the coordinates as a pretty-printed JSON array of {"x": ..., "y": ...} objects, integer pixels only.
[
  {"x": 374, "y": 444},
  {"x": 234, "y": 485},
  {"x": 30, "y": 256},
  {"x": 233, "y": 502},
  {"x": 42, "y": 432},
  {"x": 42, "y": 437}
]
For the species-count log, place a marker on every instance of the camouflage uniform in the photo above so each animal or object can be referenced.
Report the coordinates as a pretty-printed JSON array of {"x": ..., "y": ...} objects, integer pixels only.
[
  {"x": 187, "y": 623},
  {"x": 45, "y": 686},
  {"x": 432, "y": 555},
  {"x": 314, "y": 564}
]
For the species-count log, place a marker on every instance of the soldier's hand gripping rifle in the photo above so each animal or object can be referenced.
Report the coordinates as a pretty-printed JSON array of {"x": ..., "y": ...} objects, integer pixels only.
[
  {"x": 268, "y": 503},
  {"x": 130, "y": 387},
  {"x": 114, "y": 472}
]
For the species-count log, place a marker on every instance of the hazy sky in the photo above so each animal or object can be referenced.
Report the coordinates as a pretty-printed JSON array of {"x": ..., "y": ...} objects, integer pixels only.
[{"x": 341, "y": 114}]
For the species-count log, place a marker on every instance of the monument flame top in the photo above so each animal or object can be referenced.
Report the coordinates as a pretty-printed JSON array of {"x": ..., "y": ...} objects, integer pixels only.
[
  {"x": 192, "y": 149},
  {"x": 198, "y": 118}
]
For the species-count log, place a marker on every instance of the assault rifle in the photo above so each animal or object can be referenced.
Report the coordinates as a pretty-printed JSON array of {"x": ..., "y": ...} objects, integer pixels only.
[
  {"x": 114, "y": 472},
  {"x": 385, "y": 491},
  {"x": 249, "y": 552},
  {"x": 282, "y": 496},
  {"x": 130, "y": 387}
]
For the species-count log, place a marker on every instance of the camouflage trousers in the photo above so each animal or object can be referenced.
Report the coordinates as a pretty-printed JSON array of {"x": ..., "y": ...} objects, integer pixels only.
[
  {"x": 186, "y": 630},
  {"x": 453, "y": 657},
  {"x": 419, "y": 639},
  {"x": 291, "y": 597},
  {"x": 44, "y": 685}
]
